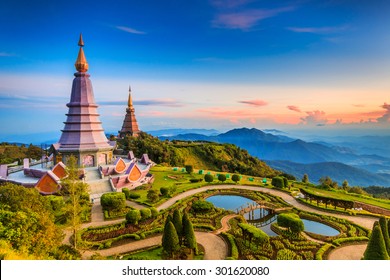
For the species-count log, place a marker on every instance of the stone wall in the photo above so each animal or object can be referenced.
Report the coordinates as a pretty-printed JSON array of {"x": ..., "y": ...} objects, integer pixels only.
[{"x": 371, "y": 208}]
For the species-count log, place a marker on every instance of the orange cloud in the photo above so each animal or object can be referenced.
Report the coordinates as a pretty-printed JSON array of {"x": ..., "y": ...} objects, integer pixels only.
[
  {"x": 256, "y": 102},
  {"x": 294, "y": 108}
]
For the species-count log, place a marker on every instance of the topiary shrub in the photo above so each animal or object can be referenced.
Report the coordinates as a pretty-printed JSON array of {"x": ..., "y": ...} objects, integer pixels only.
[
  {"x": 202, "y": 206},
  {"x": 209, "y": 178},
  {"x": 222, "y": 177},
  {"x": 194, "y": 180},
  {"x": 235, "y": 178},
  {"x": 277, "y": 182},
  {"x": 133, "y": 216},
  {"x": 189, "y": 169},
  {"x": 126, "y": 192},
  {"x": 290, "y": 221},
  {"x": 154, "y": 212},
  {"x": 145, "y": 213},
  {"x": 113, "y": 200},
  {"x": 376, "y": 248},
  {"x": 134, "y": 195}
]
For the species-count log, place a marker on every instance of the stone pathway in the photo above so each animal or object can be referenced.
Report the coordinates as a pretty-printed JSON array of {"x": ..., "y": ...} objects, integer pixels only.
[{"x": 349, "y": 252}]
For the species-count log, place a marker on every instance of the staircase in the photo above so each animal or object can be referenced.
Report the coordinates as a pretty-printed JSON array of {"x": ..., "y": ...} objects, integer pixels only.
[{"x": 97, "y": 185}]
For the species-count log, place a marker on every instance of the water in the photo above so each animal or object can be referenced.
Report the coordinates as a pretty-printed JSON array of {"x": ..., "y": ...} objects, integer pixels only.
[
  {"x": 319, "y": 228},
  {"x": 262, "y": 219},
  {"x": 229, "y": 202},
  {"x": 232, "y": 202}
]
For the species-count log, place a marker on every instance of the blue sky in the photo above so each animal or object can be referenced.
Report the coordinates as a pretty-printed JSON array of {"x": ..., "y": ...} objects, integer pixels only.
[{"x": 293, "y": 65}]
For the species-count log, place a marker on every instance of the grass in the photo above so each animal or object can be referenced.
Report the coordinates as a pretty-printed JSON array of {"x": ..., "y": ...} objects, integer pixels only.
[{"x": 154, "y": 253}]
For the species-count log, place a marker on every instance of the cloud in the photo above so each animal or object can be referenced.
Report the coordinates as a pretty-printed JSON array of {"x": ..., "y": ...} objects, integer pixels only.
[
  {"x": 229, "y": 3},
  {"x": 385, "y": 119},
  {"x": 129, "y": 30},
  {"x": 148, "y": 102},
  {"x": 317, "y": 118},
  {"x": 244, "y": 20},
  {"x": 5, "y": 54},
  {"x": 294, "y": 108},
  {"x": 319, "y": 30},
  {"x": 256, "y": 102}
]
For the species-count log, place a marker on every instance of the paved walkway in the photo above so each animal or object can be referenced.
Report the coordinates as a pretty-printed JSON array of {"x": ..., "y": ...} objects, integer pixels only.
[
  {"x": 350, "y": 252},
  {"x": 215, "y": 246}
]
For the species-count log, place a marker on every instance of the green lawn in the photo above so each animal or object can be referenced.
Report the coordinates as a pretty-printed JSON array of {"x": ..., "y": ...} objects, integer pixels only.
[{"x": 151, "y": 254}]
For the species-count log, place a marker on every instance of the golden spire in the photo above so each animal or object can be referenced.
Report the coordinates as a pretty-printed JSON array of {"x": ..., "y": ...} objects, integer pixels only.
[
  {"x": 81, "y": 62},
  {"x": 130, "y": 100}
]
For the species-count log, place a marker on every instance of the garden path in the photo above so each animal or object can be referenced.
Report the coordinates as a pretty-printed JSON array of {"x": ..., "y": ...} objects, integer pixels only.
[
  {"x": 215, "y": 247},
  {"x": 349, "y": 252}
]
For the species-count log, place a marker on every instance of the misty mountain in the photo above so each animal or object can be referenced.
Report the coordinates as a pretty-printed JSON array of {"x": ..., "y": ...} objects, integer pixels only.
[
  {"x": 177, "y": 131},
  {"x": 337, "y": 171},
  {"x": 270, "y": 147}
]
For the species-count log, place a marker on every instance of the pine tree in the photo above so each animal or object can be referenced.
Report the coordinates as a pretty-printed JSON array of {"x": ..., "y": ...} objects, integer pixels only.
[
  {"x": 385, "y": 231},
  {"x": 177, "y": 222},
  {"x": 170, "y": 240},
  {"x": 189, "y": 234},
  {"x": 376, "y": 248}
]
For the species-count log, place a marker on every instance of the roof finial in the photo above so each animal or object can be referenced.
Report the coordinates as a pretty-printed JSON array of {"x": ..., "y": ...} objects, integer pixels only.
[
  {"x": 81, "y": 62},
  {"x": 130, "y": 100}
]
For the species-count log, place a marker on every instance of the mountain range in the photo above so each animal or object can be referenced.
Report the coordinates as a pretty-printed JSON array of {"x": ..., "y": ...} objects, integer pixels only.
[{"x": 298, "y": 157}]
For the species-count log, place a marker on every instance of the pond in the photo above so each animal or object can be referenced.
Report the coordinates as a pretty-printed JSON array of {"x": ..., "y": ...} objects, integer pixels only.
[
  {"x": 319, "y": 228},
  {"x": 262, "y": 219}
]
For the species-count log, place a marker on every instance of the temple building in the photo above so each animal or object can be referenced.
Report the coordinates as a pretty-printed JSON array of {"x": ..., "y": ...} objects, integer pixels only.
[
  {"x": 83, "y": 135},
  {"x": 130, "y": 125}
]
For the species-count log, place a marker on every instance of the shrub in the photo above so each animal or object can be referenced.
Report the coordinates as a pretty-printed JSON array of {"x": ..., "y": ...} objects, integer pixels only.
[
  {"x": 126, "y": 192},
  {"x": 133, "y": 216},
  {"x": 222, "y": 177},
  {"x": 145, "y": 213},
  {"x": 291, "y": 221},
  {"x": 194, "y": 180},
  {"x": 376, "y": 248},
  {"x": 164, "y": 191},
  {"x": 152, "y": 195},
  {"x": 208, "y": 178},
  {"x": 189, "y": 169},
  {"x": 113, "y": 200},
  {"x": 134, "y": 195},
  {"x": 277, "y": 182},
  {"x": 154, "y": 212},
  {"x": 235, "y": 178},
  {"x": 202, "y": 206}
]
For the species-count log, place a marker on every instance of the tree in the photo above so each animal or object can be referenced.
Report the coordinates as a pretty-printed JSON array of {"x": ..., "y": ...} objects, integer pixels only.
[
  {"x": 305, "y": 178},
  {"x": 222, "y": 177},
  {"x": 277, "y": 182},
  {"x": 345, "y": 185},
  {"x": 189, "y": 169},
  {"x": 75, "y": 190},
  {"x": 235, "y": 178},
  {"x": 152, "y": 195},
  {"x": 189, "y": 239},
  {"x": 376, "y": 248},
  {"x": 170, "y": 240},
  {"x": 27, "y": 222},
  {"x": 133, "y": 216},
  {"x": 285, "y": 182},
  {"x": 208, "y": 178},
  {"x": 177, "y": 222},
  {"x": 385, "y": 231}
]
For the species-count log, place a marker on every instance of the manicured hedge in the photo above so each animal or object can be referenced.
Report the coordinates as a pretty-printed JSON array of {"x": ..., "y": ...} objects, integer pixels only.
[
  {"x": 291, "y": 221},
  {"x": 113, "y": 200}
]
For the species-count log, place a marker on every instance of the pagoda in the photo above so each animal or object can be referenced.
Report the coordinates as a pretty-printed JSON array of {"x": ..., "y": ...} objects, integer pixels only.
[
  {"x": 83, "y": 135},
  {"x": 130, "y": 125}
]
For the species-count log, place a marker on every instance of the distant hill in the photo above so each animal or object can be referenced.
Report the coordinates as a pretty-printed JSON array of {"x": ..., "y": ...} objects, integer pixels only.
[
  {"x": 337, "y": 171},
  {"x": 213, "y": 156},
  {"x": 270, "y": 147},
  {"x": 177, "y": 131}
]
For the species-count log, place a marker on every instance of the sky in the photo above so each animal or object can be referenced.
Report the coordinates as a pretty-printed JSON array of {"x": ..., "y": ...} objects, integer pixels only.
[{"x": 316, "y": 66}]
